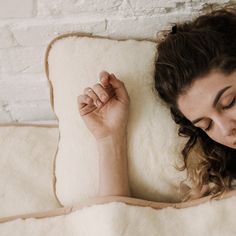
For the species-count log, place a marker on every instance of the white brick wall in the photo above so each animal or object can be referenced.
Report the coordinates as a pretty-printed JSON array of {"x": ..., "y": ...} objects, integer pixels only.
[{"x": 27, "y": 26}]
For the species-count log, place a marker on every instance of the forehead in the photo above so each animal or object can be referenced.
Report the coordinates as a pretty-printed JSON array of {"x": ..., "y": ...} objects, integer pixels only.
[{"x": 199, "y": 97}]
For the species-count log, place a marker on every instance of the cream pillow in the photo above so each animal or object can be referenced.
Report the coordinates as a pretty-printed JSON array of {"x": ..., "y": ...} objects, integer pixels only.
[
  {"x": 73, "y": 62},
  {"x": 26, "y": 168}
]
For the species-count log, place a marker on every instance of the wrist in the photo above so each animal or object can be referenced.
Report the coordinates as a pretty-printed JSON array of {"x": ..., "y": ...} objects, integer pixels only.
[
  {"x": 117, "y": 137},
  {"x": 113, "y": 165}
]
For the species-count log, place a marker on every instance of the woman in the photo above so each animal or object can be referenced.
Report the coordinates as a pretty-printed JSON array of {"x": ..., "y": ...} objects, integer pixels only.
[{"x": 195, "y": 75}]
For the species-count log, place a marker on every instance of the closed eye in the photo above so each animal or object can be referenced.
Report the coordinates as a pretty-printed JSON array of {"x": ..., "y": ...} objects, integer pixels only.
[
  {"x": 226, "y": 107},
  {"x": 230, "y": 105},
  {"x": 209, "y": 127}
]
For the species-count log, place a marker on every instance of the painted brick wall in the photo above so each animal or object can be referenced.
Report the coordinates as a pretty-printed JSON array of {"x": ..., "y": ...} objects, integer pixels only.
[{"x": 27, "y": 26}]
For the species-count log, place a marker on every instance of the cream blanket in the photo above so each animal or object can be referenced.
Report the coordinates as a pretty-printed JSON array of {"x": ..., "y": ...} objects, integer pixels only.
[
  {"x": 110, "y": 216},
  {"x": 26, "y": 168},
  {"x": 28, "y": 205}
]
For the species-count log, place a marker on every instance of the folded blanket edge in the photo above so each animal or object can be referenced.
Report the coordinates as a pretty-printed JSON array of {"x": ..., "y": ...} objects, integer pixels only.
[{"x": 107, "y": 199}]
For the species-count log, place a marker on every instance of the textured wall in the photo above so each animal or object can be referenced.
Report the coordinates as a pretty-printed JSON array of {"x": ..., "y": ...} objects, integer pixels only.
[{"x": 27, "y": 26}]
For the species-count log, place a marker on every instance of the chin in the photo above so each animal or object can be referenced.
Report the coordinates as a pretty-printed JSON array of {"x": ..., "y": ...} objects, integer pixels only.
[{"x": 233, "y": 146}]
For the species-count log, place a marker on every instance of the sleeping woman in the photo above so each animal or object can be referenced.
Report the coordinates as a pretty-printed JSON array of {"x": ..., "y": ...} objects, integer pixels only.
[{"x": 195, "y": 75}]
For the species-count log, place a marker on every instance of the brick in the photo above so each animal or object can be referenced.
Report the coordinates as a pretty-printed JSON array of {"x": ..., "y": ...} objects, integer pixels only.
[
  {"x": 143, "y": 27},
  {"x": 71, "y": 7},
  {"x": 5, "y": 115},
  {"x": 144, "y": 7},
  {"x": 22, "y": 59},
  {"x": 24, "y": 88},
  {"x": 126, "y": 10},
  {"x": 6, "y": 38},
  {"x": 42, "y": 34},
  {"x": 15, "y": 9}
]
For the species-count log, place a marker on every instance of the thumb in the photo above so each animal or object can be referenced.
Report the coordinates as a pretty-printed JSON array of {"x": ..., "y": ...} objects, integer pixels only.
[{"x": 119, "y": 87}]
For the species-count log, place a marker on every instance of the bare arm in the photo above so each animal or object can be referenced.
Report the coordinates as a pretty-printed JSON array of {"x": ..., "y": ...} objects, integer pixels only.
[{"x": 113, "y": 171}]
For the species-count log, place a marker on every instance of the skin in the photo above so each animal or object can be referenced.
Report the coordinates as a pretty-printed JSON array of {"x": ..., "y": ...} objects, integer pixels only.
[
  {"x": 108, "y": 124},
  {"x": 111, "y": 116},
  {"x": 197, "y": 102}
]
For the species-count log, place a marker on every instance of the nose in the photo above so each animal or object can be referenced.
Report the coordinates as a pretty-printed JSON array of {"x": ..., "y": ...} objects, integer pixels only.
[{"x": 227, "y": 126}]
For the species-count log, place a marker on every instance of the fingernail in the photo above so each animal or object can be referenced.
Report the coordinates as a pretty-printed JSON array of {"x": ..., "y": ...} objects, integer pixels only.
[
  {"x": 99, "y": 103},
  {"x": 113, "y": 76},
  {"x": 103, "y": 97}
]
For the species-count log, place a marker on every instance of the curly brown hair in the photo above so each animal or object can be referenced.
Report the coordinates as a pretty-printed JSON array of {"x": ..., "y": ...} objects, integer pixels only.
[{"x": 188, "y": 51}]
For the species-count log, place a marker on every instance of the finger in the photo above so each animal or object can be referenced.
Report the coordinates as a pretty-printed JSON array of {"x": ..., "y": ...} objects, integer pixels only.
[
  {"x": 104, "y": 79},
  {"x": 86, "y": 104},
  {"x": 89, "y": 91},
  {"x": 102, "y": 92},
  {"x": 83, "y": 100},
  {"x": 119, "y": 87}
]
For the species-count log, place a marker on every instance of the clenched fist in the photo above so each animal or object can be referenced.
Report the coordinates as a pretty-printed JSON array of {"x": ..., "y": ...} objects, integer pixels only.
[{"x": 104, "y": 107}]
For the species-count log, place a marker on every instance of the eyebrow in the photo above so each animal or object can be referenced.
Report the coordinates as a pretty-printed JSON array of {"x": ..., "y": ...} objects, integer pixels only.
[{"x": 217, "y": 97}]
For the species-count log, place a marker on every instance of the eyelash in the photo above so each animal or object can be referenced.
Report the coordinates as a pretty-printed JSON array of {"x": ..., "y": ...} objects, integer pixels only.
[{"x": 226, "y": 107}]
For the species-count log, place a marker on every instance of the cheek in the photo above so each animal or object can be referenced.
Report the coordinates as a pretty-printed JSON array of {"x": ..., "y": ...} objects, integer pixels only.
[
  {"x": 233, "y": 112},
  {"x": 216, "y": 136}
]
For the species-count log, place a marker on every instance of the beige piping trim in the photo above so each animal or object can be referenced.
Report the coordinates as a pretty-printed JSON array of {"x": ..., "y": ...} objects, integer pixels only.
[
  {"x": 106, "y": 199},
  {"x": 54, "y": 175},
  {"x": 29, "y": 124}
]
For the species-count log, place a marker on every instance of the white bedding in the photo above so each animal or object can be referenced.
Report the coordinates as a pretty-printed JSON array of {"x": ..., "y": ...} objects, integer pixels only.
[
  {"x": 29, "y": 205},
  {"x": 26, "y": 168},
  {"x": 104, "y": 218}
]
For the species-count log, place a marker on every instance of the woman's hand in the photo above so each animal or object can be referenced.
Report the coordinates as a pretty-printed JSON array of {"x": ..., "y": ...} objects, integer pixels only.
[{"x": 111, "y": 116}]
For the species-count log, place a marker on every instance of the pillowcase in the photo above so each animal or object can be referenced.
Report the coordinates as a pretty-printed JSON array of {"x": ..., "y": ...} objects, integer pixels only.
[
  {"x": 73, "y": 62},
  {"x": 26, "y": 167}
]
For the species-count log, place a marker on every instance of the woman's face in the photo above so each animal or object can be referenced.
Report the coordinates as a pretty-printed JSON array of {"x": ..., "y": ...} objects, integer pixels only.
[{"x": 210, "y": 104}]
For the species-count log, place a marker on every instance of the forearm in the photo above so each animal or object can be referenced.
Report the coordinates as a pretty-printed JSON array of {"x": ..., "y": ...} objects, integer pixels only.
[{"x": 113, "y": 166}]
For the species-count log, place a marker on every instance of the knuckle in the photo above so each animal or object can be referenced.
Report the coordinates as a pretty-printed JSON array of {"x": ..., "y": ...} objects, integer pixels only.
[
  {"x": 86, "y": 89},
  {"x": 89, "y": 99},
  {"x": 122, "y": 82},
  {"x": 97, "y": 85},
  {"x": 103, "y": 96},
  {"x": 80, "y": 98},
  {"x": 103, "y": 78},
  {"x": 128, "y": 98},
  {"x": 81, "y": 112},
  {"x": 100, "y": 91},
  {"x": 103, "y": 73}
]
